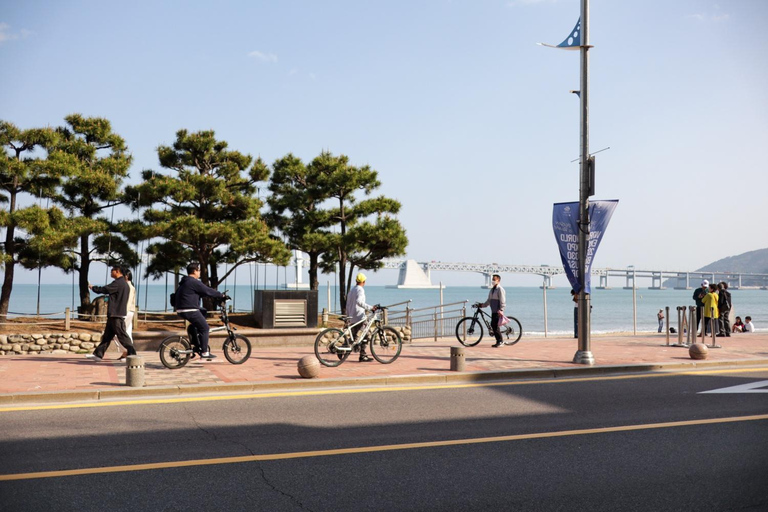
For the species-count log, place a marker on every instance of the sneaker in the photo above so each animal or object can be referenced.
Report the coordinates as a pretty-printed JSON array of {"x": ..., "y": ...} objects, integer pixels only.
[
  {"x": 94, "y": 357},
  {"x": 207, "y": 355},
  {"x": 365, "y": 358}
]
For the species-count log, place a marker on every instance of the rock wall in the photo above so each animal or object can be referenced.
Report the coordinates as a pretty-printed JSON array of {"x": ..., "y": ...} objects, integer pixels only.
[{"x": 56, "y": 343}]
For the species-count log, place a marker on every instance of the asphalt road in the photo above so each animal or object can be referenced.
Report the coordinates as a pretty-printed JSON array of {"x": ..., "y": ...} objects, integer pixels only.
[{"x": 642, "y": 442}]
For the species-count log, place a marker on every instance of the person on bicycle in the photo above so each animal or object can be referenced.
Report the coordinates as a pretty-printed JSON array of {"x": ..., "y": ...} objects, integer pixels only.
[
  {"x": 356, "y": 310},
  {"x": 497, "y": 299},
  {"x": 188, "y": 296}
]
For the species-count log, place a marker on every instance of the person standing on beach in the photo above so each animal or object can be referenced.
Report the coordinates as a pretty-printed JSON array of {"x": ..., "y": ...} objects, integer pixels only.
[
  {"x": 724, "y": 304},
  {"x": 711, "y": 312},
  {"x": 575, "y": 298},
  {"x": 119, "y": 292},
  {"x": 497, "y": 299},
  {"x": 660, "y": 316},
  {"x": 698, "y": 297}
]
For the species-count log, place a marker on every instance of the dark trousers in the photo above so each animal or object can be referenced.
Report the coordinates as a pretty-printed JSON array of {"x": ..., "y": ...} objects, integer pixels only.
[
  {"x": 115, "y": 327},
  {"x": 699, "y": 314},
  {"x": 575, "y": 322},
  {"x": 197, "y": 319},
  {"x": 495, "y": 326},
  {"x": 725, "y": 323}
]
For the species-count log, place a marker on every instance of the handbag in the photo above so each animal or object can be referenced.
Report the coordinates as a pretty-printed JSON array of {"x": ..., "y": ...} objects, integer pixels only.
[{"x": 503, "y": 320}]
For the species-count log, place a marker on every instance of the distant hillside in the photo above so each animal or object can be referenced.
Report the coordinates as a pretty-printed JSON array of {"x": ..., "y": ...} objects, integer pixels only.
[{"x": 752, "y": 262}]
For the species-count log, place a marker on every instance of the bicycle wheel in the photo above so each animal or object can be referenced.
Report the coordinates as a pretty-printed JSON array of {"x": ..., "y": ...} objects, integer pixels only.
[
  {"x": 237, "y": 349},
  {"x": 386, "y": 344},
  {"x": 469, "y": 331},
  {"x": 513, "y": 331},
  {"x": 175, "y": 352},
  {"x": 330, "y": 345}
]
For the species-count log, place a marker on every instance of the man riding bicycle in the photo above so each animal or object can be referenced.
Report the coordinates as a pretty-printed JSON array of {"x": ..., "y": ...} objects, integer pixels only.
[
  {"x": 188, "y": 296},
  {"x": 497, "y": 299}
]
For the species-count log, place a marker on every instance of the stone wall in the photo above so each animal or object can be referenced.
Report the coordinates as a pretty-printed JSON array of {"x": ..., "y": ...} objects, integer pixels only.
[{"x": 56, "y": 343}]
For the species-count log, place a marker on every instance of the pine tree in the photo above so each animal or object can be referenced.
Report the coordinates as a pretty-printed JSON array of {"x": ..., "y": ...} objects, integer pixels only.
[
  {"x": 23, "y": 172},
  {"x": 207, "y": 209},
  {"x": 93, "y": 162}
]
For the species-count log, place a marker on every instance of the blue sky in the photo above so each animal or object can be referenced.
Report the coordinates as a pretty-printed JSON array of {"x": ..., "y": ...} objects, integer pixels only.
[{"x": 468, "y": 121}]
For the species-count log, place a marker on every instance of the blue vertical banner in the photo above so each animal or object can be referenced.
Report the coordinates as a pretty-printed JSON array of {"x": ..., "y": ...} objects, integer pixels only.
[{"x": 565, "y": 223}]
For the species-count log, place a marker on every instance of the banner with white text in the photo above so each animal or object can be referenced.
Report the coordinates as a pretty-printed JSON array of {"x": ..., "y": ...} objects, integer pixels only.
[{"x": 565, "y": 222}]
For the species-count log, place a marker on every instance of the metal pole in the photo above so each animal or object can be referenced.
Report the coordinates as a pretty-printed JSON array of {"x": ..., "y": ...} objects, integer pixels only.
[
  {"x": 545, "y": 306},
  {"x": 584, "y": 354},
  {"x": 634, "y": 304},
  {"x": 666, "y": 322}
]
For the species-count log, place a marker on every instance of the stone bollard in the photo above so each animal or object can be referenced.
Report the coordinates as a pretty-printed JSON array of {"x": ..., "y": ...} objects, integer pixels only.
[
  {"x": 134, "y": 372},
  {"x": 457, "y": 359}
]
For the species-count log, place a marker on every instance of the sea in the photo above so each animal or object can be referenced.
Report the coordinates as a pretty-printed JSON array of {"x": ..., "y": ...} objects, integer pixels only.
[{"x": 612, "y": 309}]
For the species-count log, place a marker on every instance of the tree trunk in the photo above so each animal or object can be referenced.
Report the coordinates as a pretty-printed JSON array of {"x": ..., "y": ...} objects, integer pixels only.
[
  {"x": 314, "y": 284},
  {"x": 10, "y": 265},
  {"x": 10, "y": 253},
  {"x": 85, "y": 265}
]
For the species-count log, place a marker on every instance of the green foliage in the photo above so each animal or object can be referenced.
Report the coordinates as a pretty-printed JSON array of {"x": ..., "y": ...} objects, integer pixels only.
[
  {"x": 207, "y": 211},
  {"x": 92, "y": 161},
  {"x": 24, "y": 171},
  {"x": 317, "y": 208}
]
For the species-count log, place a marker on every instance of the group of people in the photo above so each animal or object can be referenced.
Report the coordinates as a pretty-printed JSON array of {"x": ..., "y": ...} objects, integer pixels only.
[
  {"x": 713, "y": 305},
  {"x": 122, "y": 307}
]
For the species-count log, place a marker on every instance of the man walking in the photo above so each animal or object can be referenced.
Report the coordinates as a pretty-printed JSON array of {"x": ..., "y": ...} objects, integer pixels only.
[
  {"x": 356, "y": 309},
  {"x": 119, "y": 292},
  {"x": 497, "y": 299}
]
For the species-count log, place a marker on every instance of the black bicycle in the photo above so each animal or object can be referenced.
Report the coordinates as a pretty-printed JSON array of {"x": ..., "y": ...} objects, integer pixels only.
[
  {"x": 469, "y": 330},
  {"x": 176, "y": 351}
]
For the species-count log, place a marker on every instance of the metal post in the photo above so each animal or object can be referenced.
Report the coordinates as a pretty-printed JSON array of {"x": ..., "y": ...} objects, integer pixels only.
[
  {"x": 666, "y": 321},
  {"x": 584, "y": 354},
  {"x": 634, "y": 304},
  {"x": 691, "y": 322},
  {"x": 545, "y": 306}
]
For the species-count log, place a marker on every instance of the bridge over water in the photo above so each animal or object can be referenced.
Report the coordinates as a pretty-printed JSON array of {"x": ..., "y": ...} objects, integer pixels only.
[{"x": 414, "y": 274}]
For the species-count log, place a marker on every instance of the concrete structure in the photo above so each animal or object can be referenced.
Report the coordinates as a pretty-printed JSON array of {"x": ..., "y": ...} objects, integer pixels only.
[{"x": 413, "y": 275}]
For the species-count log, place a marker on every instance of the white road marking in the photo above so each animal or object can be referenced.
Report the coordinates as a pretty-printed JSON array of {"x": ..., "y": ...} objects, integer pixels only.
[{"x": 753, "y": 387}]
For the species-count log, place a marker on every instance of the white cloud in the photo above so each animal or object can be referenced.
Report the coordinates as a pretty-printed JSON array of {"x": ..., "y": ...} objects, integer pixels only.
[
  {"x": 5, "y": 33},
  {"x": 263, "y": 57}
]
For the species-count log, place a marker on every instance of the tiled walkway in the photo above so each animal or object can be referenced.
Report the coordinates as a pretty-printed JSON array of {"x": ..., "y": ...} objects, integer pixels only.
[{"x": 31, "y": 373}]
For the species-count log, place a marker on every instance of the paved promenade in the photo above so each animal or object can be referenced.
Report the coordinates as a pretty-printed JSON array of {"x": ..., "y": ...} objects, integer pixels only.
[{"x": 48, "y": 378}]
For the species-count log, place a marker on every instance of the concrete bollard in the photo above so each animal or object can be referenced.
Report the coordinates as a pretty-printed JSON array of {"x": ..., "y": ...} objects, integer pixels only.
[
  {"x": 457, "y": 359},
  {"x": 134, "y": 372}
]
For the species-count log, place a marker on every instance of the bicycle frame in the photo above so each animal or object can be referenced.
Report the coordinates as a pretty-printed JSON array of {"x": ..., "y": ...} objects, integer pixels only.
[
  {"x": 486, "y": 319},
  {"x": 369, "y": 321},
  {"x": 194, "y": 336}
]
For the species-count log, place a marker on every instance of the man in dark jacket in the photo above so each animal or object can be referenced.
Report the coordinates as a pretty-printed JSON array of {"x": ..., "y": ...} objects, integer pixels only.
[
  {"x": 118, "y": 291},
  {"x": 724, "y": 305},
  {"x": 188, "y": 296},
  {"x": 698, "y": 298}
]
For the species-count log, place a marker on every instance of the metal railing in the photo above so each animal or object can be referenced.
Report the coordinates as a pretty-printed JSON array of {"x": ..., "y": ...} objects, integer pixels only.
[{"x": 430, "y": 322}]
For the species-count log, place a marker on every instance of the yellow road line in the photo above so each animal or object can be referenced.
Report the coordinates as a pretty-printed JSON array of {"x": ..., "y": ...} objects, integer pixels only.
[
  {"x": 394, "y": 387},
  {"x": 370, "y": 449}
]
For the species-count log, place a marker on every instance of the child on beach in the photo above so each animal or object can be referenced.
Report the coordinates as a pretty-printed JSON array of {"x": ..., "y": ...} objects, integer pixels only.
[
  {"x": 738, "y": 325},
  {"x": 748, "y": 325}
]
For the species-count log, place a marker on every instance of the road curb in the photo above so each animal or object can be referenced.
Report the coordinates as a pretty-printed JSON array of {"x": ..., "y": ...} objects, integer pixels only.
[{"x": 121, "y": 393}]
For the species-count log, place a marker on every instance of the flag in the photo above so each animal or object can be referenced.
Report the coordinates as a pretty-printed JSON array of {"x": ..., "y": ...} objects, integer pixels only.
[{"x": 565, "y": 222}]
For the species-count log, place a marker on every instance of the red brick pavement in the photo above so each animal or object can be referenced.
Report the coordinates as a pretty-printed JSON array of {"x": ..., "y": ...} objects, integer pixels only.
[{"x": 45, "y": 372}]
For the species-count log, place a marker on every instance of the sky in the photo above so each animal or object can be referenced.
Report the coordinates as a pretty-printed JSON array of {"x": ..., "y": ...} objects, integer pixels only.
[{"x": 469, "y": 123}]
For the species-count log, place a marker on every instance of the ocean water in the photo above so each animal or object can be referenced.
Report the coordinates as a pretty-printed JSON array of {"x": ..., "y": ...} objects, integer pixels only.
[{"x": 612, "y": 310}]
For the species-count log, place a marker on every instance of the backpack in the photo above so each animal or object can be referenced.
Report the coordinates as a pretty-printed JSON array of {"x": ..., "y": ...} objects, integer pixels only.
[{"x": 173, "y": 300}]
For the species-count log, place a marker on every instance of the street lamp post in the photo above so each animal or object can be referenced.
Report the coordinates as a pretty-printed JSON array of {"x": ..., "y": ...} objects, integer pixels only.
[{"x": 584, "y": 353}]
